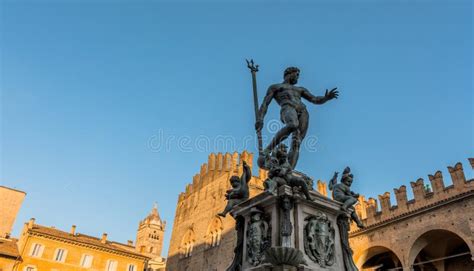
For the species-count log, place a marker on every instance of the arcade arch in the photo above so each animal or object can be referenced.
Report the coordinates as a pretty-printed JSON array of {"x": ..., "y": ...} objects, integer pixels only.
[{"x": 440, "y": 250}]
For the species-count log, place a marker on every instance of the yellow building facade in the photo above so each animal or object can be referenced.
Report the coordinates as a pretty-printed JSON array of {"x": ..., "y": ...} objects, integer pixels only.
[{"x": 48, "y": 249}]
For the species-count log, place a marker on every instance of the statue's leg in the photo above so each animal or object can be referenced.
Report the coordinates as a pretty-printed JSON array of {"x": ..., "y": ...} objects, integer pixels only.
[
  {"x": 348, "y": 202},
  {"x": 356, "y": 219},
  {"x": 270, "y": 185},
  {"x": 290, "y": 119},
  {"x": 227, "y": 208},
  {"x": 304, "y": 187},
  {"x": 298, "y": 137},
  {"x": 280, "y": 181},
  {"x": 299, "y": 182}
]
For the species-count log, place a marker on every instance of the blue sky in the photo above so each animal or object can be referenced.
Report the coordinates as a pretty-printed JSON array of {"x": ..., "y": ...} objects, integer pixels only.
[{"x": 89, "y": 90}]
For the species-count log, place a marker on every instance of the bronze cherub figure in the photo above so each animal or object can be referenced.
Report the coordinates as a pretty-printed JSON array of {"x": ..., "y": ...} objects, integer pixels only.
[
  {"x": 239, "y": 191},
  {"x": 342, "y": 193}
]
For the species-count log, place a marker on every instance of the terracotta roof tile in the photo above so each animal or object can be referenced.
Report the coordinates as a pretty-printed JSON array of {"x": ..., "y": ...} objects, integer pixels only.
[{"x": 9, "y": 248}]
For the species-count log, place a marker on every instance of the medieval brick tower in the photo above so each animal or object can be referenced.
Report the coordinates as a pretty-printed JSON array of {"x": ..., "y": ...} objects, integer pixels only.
[
  {"x": 10, "y": 203},
  {"x": 150, "y": 234}
]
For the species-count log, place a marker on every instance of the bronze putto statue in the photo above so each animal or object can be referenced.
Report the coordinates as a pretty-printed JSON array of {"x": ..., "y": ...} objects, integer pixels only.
[
  {"x": 239, "y": 191},
  {"x": 342, "y": 193}
]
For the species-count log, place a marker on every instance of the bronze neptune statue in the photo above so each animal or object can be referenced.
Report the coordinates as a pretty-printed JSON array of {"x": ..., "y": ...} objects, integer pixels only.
[{"x": 293, "y": 112}]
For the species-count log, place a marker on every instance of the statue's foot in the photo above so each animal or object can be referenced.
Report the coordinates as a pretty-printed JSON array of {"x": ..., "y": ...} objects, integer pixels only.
[
  {"x": 360, "y": 225},
  {"x": 221, "y": 214},
  {"x": 262, "y": 158},
  {"x": 270, "y": 192},
  {"x": 344, "y": 208}
]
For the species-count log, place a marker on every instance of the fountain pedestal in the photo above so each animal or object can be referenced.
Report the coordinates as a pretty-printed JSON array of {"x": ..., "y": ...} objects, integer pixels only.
[{"x": 285, "y": 231}]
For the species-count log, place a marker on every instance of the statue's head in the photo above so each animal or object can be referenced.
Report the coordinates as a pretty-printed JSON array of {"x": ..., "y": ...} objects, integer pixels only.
[
  {"x": 257, "y": 216},
  {"x": 286, "y": 203},
  {"x": 291, "y": 75},
  {"x": 347, "y": 177},
  {"x": 235, "y": 181}
]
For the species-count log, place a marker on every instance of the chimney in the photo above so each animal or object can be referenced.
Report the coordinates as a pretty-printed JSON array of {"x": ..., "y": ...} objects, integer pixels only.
[
  {"x": 104, "y": 238},
  {"x": 73, "y": 230},
  {"x": 130, "y": 242},
  {"x": 31, "y": 223}
]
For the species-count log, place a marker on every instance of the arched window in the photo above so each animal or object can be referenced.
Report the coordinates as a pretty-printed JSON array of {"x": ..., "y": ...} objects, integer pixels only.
[
  {"x": 440, "y": 249},
  {"x": 187, "y": 243},
  {"x": 214, "y": 232}
]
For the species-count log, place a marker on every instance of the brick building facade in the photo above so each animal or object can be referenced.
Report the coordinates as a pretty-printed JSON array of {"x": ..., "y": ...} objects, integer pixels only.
[{"x": 433, "y": 231}]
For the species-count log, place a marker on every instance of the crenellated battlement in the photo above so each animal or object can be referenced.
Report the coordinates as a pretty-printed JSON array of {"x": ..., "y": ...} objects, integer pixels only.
[
  {"x": 322, "y": 188},
  {"x": 373, "y": 212},
  {"x": 218, "y": 165}
]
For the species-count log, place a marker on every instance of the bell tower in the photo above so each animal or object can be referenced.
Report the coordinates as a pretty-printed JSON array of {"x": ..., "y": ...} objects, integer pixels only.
[{"x": 150, "y": 234}]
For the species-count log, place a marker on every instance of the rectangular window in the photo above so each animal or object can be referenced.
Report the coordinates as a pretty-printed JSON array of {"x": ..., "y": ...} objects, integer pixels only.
[
  {"x": 111, "y": 265},
  {"x": 86, "y": 261},
  {"x": 36, "y": 250},
  {"x": 60, "y": 255},
  {"x": 132, "y": 267}
]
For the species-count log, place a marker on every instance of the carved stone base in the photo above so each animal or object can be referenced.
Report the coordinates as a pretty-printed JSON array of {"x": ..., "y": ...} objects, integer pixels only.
[
  {"x": 277, "y": 268},
  {"x": 281, "y": 268},
  {"x": 279, "y": 256},
  {"x": 313, "y": 243},
  {"x": 284, "y": 268}
]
